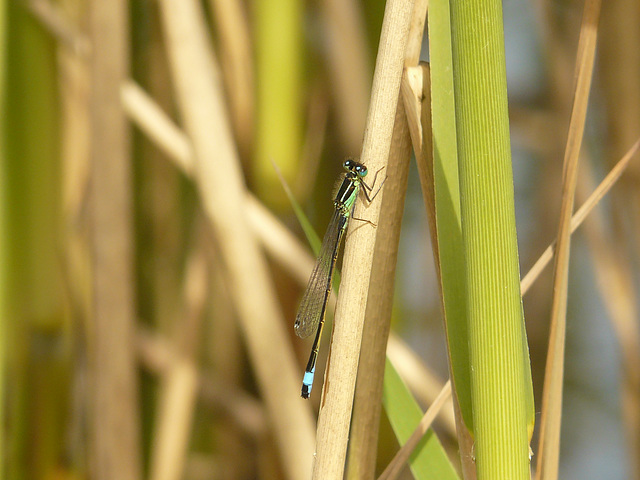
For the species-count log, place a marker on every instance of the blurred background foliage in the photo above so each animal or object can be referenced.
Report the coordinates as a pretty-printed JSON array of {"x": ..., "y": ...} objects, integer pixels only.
[{"x": 296, "y": 78}]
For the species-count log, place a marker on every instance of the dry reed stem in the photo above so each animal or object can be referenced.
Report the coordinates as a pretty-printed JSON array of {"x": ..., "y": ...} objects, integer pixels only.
[
  {"x": 115, "y": 436},
  {"x": 417, "y": 84},
  {"x": 363, "y": 442},
  {"x": 144, "y": 112},
  {"x": 412, "y": 99},
  {"x": 368, "y": 396},
  {"x": 222, "y": 190},
  {"x": 549, "y": 445},
  {"x": 338, "y": 391},
  {"x": 395, "y": 465}
]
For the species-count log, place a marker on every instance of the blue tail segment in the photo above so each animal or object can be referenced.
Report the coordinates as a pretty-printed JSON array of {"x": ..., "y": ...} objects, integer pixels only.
[{"x": 307, "y": 383}]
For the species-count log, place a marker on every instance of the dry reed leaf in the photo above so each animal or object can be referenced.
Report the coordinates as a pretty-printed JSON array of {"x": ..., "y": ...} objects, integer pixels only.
[{"x": 411, "y": 91}]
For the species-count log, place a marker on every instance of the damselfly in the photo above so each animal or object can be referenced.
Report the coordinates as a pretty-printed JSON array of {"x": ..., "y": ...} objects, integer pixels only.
[{"x": 311, "y": 313}]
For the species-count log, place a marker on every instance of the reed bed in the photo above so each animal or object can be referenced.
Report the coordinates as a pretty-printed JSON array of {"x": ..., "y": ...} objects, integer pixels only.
[{"x": 165, "y": 165}]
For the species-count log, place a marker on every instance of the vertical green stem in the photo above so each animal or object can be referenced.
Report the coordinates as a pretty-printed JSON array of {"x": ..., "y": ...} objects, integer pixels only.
[
  {"x": 279, "y": 94},
  {"x": 3, "y": 230},
  {"x": 498, "y": 361}
]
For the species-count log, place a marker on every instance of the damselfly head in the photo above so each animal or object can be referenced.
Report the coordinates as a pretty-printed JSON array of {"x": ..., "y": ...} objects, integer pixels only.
[{"x": 355, "y": 167}]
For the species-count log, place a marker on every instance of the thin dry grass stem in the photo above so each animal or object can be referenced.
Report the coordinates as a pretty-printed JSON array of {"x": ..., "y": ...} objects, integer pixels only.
[
  {"x": 363, "y": 444},
  {"x": 397, "y": 463},
  {"x": 75, "y": 142},
  {"x": 577, "y": 219},
  {"x": 237, "y": 67},
  {"x": 425, "y": 385},
  {"x": 115, "y": 435},
  {"x": 179, "y": 385},
  {"x": 338, "y": 392},
  {"x": 549, "y": 445},
  {"x": 367, "y": 405},
  {"x": 349, "y": 67},
  {"x": 75, "y": 135}
]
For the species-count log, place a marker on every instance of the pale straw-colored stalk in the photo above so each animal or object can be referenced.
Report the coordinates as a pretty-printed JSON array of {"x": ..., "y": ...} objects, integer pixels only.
[
  {"x": 219, "y": 180},
  {"x": 550, "y": 422},
  {"x": 367, "y": 405},
  {"x": 338, "y": 392}
]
